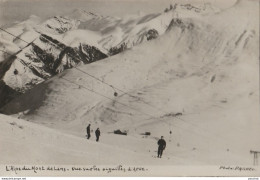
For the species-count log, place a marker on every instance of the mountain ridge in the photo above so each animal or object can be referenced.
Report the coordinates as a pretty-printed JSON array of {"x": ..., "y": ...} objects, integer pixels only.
[{"x": 112, "y": 36}]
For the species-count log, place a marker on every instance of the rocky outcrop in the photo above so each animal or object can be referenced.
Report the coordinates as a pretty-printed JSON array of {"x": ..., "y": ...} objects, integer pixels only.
[
  {"x": 62, "y": 42},
  {"x": 152, "y": 34},
  {"x": 90, "y": 53},
  {"x": 181, "y": 24},
  {"x": 117, "y": 49},
  {"x": 40, "y": 61},
  {"x": 60, "y": 24}
]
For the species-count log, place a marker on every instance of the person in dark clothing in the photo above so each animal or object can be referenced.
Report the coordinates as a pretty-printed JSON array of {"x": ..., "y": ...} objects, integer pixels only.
[
  {"x": 97, "y": 132},
  {"x": 162, "y": 146},
  {"x": 88, "y": 131}
]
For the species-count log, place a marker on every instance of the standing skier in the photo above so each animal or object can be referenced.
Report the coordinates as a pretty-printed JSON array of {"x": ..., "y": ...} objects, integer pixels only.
[
  {"x": 162, "y": 145},
  {"x": 97, "y": 132},
  {"x": 88, "y": 131}
]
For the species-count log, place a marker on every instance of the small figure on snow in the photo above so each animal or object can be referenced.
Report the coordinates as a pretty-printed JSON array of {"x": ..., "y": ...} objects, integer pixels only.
[
  {"x": 97, "y": 132},
  {"x": 88, "y": 131},
  {"x": 162, "y": 146}
]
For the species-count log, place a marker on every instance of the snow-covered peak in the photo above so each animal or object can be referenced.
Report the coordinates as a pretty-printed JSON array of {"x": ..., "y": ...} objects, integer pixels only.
[
  {"x": 192, "y": 10},
  {"x": 34, "y": 18},
  {"x": 82, "y": 15},
  {"x": 60, "y": 24},
  {"x": 76, "y": 37}
]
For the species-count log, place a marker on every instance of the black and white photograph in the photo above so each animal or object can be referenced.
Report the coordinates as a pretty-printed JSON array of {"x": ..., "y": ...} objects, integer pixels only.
[{"x": 129, "y": 88}]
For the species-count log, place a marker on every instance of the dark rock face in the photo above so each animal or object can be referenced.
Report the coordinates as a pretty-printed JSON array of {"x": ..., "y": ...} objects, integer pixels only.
[
  {"x": 179, "y": 23},
  {"x": 6, "y": 93},
  {"x": 65, "y": 57},
  {"x": 68, "y": 57},
  {"x": 44, "y": 61},
  {"x": 61, "y": 24},
  {"x": 118, "y": 49},
  {"x": 5, "y": 65},
  {"x": 190, "y": 7},
  {"x": 152, "y": 34},
  {"x": 90, "y": 53},
  {"x": 149, "y": 35},
  {"x": 46, "y": 57}
]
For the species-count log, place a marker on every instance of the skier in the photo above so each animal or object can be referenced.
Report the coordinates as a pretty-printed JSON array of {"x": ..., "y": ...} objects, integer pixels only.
[
  {"x": 162, "y": 145},
  {"x": 88, "y": 131},
  {"x": 97, "y": 132}
]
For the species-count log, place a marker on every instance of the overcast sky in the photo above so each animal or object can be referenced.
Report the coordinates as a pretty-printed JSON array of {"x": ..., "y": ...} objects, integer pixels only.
[{"x": 18, "y": 10}]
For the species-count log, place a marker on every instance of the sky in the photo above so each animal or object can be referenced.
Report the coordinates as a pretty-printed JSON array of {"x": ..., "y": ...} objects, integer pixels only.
[{"x": 18, "y": 10}]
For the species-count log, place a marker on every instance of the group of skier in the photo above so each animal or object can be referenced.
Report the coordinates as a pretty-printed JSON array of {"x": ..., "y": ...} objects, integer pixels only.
[
  {"x": 97, "y": 133},
  {"x": 161, "y": 142}
]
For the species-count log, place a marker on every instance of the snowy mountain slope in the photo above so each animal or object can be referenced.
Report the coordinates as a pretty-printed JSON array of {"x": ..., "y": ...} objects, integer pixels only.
[
  {"x": 92, "y": 21},
  {"x": 135, "y": 30},
  {"x": 206, "y": 73},
  {"x": 88, "y": 36},
  {"x": 80, "y": 19},
  {"x": 54, "y": 147},
  {"x": 45, "y": 57}
]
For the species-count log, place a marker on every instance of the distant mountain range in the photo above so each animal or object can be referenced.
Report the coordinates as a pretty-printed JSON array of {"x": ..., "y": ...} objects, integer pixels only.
[{"x": 44, "y": 49}]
